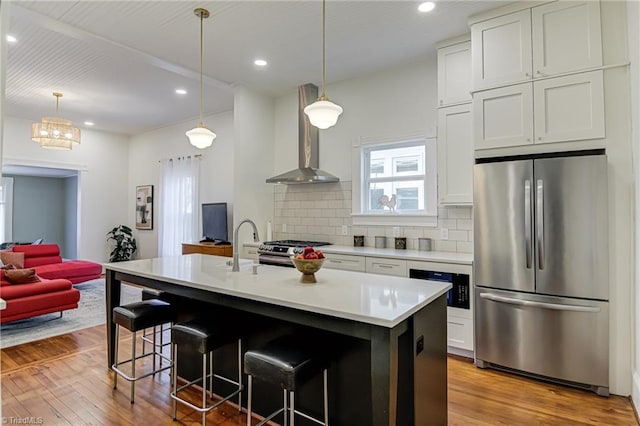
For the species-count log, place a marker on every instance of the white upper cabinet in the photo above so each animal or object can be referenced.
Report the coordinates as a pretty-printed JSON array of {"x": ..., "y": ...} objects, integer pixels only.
[
  {"x": 569, "y": 108},
  {"x": 454, "y": 74},
  {"x": 455, "y": 155},
  {"x": 566, "y": 37},
  {"x": 501, "y": 50},
  {"x": 503, "y": 117}
]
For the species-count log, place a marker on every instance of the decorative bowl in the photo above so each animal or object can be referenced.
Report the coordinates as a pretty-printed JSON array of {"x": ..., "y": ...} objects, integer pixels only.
[{"x": 308, "y": 267}]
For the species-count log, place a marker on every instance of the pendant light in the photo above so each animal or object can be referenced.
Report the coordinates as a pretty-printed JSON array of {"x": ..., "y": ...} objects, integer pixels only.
[
  {"x": 55, "y": 132},
  {"x": 200, "y": 136},
  {"x": 323, "y": 113}
]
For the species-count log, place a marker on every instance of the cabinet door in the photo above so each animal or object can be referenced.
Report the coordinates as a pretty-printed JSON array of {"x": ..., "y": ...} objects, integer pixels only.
[
  {"x": 566, "y": 37},
  {"x": 385, "y": 266},
  {"x": 454, "y": 74},
  {"x": 455, "y": 155},
  {"x": 501, "y": 50},
  {"x": 569, "y": 108},
  {"x": 503, "y": 117}
]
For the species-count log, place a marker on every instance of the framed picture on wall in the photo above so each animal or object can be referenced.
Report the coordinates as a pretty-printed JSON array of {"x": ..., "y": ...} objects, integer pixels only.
[{"x": 144, "y": 207}]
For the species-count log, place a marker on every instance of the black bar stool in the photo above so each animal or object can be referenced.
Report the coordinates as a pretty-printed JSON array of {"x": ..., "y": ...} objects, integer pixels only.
[
  {"x": 157, "y": 331},
  {"x": 290, "y": 361},
  {"x": 134, "y": 317},
  {"x": 205, "y": 337}
]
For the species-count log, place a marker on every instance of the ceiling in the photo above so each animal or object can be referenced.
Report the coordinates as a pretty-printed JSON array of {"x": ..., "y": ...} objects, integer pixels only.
[{"x": 118, "y": 63}]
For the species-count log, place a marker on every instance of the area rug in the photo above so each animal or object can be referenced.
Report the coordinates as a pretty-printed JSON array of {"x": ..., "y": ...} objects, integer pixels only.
[{"x": 91, "y": 312}]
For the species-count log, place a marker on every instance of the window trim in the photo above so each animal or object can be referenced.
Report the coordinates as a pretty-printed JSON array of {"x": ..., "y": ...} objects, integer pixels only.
[{"x": 429, "y": 218}]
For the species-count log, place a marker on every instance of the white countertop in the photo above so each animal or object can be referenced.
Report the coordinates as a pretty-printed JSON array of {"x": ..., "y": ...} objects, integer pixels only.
[
  {"x": 369, "y": 298},
  {"x": 427, "y": 256}
]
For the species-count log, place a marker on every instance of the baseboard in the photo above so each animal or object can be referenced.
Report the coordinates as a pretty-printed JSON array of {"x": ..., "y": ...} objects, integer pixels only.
[
  {"x": 460, "y": 352},
  {"x": 635, "y": 394}
]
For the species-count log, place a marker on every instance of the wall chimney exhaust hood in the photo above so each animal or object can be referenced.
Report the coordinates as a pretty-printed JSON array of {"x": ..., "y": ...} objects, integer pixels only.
[{"x": 307, "y": 171}]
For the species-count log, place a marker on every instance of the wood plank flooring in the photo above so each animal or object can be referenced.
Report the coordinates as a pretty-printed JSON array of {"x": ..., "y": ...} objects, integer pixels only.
[{"x": 63, "y": 381}]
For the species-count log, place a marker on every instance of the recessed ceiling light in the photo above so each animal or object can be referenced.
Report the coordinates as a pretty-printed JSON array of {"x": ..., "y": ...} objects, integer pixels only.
[
  {"x": 11, "y": 39},
  {"x": 260, "y": 62},
  {"x": 426, "y": 6},
  {"x": 89, "y": 123},
  {"x": 181, "y": 91}
]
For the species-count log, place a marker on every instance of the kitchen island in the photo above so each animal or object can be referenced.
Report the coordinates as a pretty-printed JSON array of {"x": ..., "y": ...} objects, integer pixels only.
[{"x": 401, "y": 321}]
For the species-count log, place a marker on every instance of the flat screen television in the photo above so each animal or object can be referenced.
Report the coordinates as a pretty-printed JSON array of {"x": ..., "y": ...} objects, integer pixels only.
[{"x": 214, "y": 221}]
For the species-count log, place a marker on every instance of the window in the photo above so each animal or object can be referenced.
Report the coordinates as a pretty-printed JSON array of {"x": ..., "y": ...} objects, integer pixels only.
[
  {"x": 396, "y": 183},
  {"x": 178, "y": 204},
  {"x": 6, "y": 209}
]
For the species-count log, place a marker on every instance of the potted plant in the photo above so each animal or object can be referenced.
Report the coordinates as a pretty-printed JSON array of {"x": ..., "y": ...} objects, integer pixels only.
[{"x": 125, "y": 244}]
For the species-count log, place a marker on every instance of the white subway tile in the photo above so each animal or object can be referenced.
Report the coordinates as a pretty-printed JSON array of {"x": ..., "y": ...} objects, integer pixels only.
[
  {"x": 465, "y": 224},
  {"x": 464, "y": 247},
  {"x": 336, "y": 221},
  {"x": 460, "y": 213},
  {"x": 447, "y": 223},
  {"x": 449, "y": 245},
  {"x": 443, "y": 213},
  {"x": 458, "y": 235}
]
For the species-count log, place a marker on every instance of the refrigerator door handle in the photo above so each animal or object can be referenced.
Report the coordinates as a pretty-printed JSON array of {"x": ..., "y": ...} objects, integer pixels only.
[
  {"x": 533, "y": 304},
  {"x": 527, "y": 222},
  {"x": 540, "y": 222}
]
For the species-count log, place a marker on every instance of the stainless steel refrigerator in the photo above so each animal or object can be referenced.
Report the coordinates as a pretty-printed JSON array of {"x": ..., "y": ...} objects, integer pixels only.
[{"x": 541, "y": 268}]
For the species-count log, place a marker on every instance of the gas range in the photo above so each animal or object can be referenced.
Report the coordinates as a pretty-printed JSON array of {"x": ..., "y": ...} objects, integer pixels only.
[{"x": 278, "y": 252}]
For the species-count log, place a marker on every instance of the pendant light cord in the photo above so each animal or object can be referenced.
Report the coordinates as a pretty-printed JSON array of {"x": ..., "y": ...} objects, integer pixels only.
[
  {"x": 201, "y": 55},
  {"x": 323, "y": 47}
]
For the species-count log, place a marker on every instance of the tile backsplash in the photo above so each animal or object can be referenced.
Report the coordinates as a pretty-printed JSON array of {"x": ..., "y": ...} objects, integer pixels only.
[{"x": 319, "y": 212}]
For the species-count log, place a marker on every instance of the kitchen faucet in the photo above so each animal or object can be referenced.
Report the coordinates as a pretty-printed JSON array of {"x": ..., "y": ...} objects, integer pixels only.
[{"x": 236, "y": 243}]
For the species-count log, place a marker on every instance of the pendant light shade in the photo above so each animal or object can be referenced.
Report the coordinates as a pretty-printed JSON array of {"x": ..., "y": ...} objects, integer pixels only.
[
  {"x": 200, "y": 136},
  {"x": 55, "y": 132},
  {"x": 323, "y": 113}
]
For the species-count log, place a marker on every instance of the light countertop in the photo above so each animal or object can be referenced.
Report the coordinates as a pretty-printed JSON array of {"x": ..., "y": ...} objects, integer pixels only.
[
  {"x": 370, "y": 298},
  {"x": 426, "y": 256}
]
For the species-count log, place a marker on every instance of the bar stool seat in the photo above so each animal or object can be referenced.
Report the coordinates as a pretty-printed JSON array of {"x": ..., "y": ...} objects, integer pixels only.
[
  {"x": 204, "y": 337},
  {"x": 289, "y": 361},
  {"x": 134, "y": 317},
  {"x": 157, "y": 332}
]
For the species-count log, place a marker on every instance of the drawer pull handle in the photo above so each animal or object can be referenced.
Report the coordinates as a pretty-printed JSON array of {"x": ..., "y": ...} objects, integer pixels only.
[
  {"x": 531, "y": 303},
  {"x": 383, "y": 265}
]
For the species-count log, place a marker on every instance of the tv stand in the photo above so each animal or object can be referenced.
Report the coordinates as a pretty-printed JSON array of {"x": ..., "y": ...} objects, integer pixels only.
[{"x": 208, "y": 248}]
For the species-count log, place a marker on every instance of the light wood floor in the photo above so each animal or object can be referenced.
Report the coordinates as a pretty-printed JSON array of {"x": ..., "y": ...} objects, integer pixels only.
[{"x": 63, "y": 381}]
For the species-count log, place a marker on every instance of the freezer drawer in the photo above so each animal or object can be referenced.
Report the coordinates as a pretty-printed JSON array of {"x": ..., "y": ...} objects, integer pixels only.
[{"x": 557, "y": 337}]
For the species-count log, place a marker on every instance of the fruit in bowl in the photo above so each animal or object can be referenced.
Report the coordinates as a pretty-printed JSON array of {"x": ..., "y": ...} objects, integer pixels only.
[{"x": 308, "y": 262}]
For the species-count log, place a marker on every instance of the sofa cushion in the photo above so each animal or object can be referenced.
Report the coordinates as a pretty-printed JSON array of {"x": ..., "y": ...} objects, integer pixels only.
[
  {"x": 32, "y": 262},
  {"x": 38, "y": 250},
  {"x": 69, "y": 270},
  {"x": 9, "y": 257},
  {"x": 25, "y": 290},
  {"x": 21, "y": 276},
  {"x": 40, "y": 304}
]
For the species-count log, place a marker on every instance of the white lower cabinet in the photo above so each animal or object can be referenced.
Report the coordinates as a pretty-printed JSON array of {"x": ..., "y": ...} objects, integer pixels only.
[
  {"x": 384, "y": 266},
  {"x": 249, "y": 252},
  {"x": 345, "y": 262}
]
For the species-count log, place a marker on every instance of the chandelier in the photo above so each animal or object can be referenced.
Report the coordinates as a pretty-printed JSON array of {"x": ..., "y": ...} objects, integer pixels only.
[{"x": 55, "y": 132}]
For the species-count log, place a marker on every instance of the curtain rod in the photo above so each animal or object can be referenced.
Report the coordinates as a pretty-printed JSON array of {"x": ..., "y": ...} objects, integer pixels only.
[{"x": 180, "y": 158}]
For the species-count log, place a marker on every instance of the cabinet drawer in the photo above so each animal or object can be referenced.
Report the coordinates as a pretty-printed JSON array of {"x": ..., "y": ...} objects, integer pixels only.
[
  {"x": 460, "y": 332},
  {"x": 378, "y": 265},
  {"x": 344, "y": 262}
]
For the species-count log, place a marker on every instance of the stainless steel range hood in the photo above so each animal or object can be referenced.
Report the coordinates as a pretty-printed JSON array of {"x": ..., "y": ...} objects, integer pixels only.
[{"x": 307, "y": 171}]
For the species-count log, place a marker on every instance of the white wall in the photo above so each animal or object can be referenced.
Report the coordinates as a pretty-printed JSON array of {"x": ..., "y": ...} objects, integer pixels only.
[
  {"x": 633, "y": 20},
  {"x": 392, "y": 103},
  {"x": 254, "y": 154},
  {"x": 216, "y": 169},
  {"x": 103, "y": 159}
]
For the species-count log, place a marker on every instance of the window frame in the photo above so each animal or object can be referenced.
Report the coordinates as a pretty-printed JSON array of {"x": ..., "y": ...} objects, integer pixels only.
[{"x": 360, "y": 149}]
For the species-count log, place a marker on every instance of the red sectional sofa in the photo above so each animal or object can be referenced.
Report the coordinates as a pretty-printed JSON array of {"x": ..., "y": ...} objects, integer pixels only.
[
  {"x": 55, "y": 293},
  {"x": 46, "y": 260},
  {"x": 30, "y": 300}
]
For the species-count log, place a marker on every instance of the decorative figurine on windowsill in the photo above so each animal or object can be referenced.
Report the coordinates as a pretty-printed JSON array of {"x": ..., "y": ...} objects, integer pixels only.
[{"x": 390, "y": 203}]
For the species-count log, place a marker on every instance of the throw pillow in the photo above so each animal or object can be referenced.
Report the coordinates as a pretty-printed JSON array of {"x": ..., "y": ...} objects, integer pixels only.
[
  {"x": 16, "y": 259},
  {"x": 21, "y": 276},
  {"x": 8, "y": 266}
]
